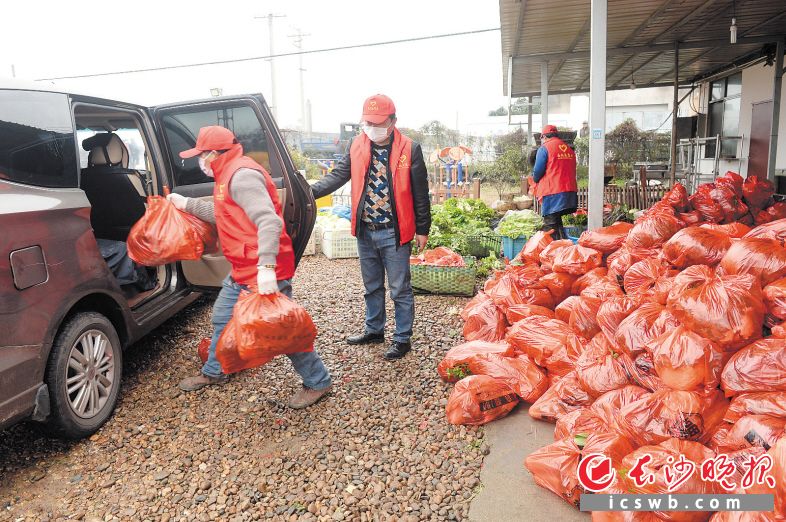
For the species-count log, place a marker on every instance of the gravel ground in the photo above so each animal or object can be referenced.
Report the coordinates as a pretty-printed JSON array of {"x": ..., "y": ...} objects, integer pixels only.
[{"x": 378, "y": 448}]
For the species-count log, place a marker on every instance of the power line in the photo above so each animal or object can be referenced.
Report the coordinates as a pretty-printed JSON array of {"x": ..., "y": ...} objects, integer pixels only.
[{"x": 268, "y": 57}]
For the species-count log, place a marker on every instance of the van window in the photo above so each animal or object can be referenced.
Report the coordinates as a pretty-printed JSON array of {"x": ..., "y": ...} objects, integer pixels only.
[
  {"x": 37, "y": 139},
  {"x": 181, "y": 129},
  {"x": 132, "y": 139}
]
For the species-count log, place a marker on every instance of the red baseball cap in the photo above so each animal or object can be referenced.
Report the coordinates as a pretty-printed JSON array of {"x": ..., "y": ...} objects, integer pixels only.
[
  {"x": 377, "y": 108},
  {"x": 549, "y": 129},
  {"x": 211, "y": 138}
]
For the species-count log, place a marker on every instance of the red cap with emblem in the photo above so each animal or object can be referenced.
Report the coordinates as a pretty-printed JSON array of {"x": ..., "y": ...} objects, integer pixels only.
[
  {"x": 377, "y": 108},
  {"x": 213, "y": 137},
  {"x": 549, "y": 129}
]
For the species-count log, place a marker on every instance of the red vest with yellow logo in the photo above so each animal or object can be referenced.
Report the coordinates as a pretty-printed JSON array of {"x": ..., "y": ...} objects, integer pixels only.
[
  {"x": 236, "y": 232},
  {"x": 400, "y": 163},
  {"x": 560, "y": 173}
]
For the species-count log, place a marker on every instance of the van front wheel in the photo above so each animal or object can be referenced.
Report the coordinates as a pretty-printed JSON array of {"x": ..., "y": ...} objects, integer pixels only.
[{"x": 83, "y": 375}]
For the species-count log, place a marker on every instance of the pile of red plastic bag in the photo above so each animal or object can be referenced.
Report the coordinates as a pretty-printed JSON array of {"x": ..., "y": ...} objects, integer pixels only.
[
  {"x": 440, "y": 256},
  {"x": 663, "y": 337}
]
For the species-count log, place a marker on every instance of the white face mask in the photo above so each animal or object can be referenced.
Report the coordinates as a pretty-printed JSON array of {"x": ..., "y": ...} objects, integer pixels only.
[
  {"x": 207, "y": 170},
  {"x": 376, "y": 134}
]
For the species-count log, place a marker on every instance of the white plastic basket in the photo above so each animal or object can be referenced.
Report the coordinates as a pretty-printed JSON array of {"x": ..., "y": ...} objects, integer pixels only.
[
  {"x": 342, "y": 199},
  {"x": 339, "y": 244}
]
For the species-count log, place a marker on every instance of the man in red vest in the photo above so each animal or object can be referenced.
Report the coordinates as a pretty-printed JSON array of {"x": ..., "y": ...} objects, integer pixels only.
[
  {"x": 555, "y": 175},
  {"x": 390, "y": 207},
  {"x": 247, "y": 214}
]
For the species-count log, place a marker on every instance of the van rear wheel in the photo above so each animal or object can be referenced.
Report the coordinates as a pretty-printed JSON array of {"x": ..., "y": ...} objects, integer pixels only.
[{"x": 83, "y": 376}]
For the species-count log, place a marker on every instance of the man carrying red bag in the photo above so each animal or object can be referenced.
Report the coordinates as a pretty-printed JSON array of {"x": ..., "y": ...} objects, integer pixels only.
[{"x": 251, "y": 231}]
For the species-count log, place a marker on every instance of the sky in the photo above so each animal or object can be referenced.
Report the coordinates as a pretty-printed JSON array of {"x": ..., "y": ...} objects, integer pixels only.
[{"x": 455, "y": 80}]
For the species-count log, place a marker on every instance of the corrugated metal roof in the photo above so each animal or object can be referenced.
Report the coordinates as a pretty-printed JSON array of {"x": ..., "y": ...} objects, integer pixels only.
[{"x": 533, "y": 28}]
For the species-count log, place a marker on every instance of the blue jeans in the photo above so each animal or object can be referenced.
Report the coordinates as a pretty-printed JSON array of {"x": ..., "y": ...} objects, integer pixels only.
[
  {"x": 308, "y": 364},
  {"x": 379, "y": 255}
]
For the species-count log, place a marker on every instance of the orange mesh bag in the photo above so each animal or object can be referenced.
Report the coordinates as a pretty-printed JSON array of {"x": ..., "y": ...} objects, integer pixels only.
[
  {"x": 775, "y": 299},
  {"x": 547, "y": 254},
  {"x": 726, "y": 309},
  {"x": 559, "y": 285},
  {"x": 771, "y": 230},
  {"x": 639, "y": 328},
  {"x": 589, "y": 279},
  {"x": 757, "y": 403},
  {"x": 759, "y": 367},
  {"x": 642, "y": 276},
  {"x": 665, "y": 454},
  {"x": 518, "y": 312},
  {"x": 549, "y": 342},
  {"x": 554, "y": 467},
  {"x": 598, "y": 370},
  {"x": 607, "y": 239},
  {"x": 485, "y": 322},
  {"x": 455, "y": 364},
  {"x": 733, "y": 230},
  {"x": 565, "y": 308},
  {"x": 262, "y": 327},
  {"x": 535, "y": 245},
  {"x": 479, "y": 399},
  {"x": 756, "y": 192},
  {"x": 686, "y": 361},
  {"x": 762, "y": 257},
  {"x": 671, "y": 413},
  {"x": 677, "y": 197},
  {"x": 523, "y": 376},
  {"x": 696, "y": 246},
  {"x": 164, "y": 235},
  {"x": 653, "y": 231},
  {"x": 584, "y": 317},
  {"x": 755, "y": 430},
  {"x": 613, "y": 311},
  {"x": 562, "y": 398}
]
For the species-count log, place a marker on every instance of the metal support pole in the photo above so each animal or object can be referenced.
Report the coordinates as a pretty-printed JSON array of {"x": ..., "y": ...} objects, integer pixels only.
[
  {"x": 776, "y": 110},
  {"x": 674, "y": 112},
  {"x": 544, "y": 93},
  {"x": 529, "y": 121},
  {"x": 597, "y": 146},
  {"x": 510, "y": 88}
]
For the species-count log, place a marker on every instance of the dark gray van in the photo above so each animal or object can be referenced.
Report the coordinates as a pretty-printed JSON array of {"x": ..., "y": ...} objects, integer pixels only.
[{"x": 74, "y": 174}]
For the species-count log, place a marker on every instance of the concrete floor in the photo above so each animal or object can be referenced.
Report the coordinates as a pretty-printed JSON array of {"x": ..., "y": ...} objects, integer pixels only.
[{"x": 509, "y": 493}]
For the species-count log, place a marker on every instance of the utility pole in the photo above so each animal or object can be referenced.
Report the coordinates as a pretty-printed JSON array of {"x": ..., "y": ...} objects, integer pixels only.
[
  {"x": 273, "y": 105},
  {"x": 298, "y": 42}
]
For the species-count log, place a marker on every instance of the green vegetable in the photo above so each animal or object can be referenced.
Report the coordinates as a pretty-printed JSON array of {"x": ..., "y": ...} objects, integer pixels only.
[
  {"x": 457, "y": 219},
  {"x": 487, "y": 265},
  {"x": 458, "y": 372},
  {"x": 520, "y": 223}
]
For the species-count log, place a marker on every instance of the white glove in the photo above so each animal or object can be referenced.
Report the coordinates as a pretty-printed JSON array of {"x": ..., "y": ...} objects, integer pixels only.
[
  {"x": 266, "y": 281},
  {"x": 177, "y": 200}
]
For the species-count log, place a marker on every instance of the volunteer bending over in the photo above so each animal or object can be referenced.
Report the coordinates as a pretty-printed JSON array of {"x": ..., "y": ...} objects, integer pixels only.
[
  {"x": 555, "y": 175},
  {"x": 247, "y": 214}
]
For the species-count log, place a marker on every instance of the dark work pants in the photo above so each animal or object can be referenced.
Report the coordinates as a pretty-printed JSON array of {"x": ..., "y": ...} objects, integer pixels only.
[{"x": 554, "y": 222}]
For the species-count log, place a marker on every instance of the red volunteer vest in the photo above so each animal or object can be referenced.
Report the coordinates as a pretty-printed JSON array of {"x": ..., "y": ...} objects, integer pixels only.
[
  {"x": 236, "y": 232},
  {"x": 400, "y": 163},
  {"x": 560, "y": 173}
]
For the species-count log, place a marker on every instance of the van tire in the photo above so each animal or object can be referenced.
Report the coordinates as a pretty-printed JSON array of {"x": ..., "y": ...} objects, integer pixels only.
[{"x": 94, "y": 380}]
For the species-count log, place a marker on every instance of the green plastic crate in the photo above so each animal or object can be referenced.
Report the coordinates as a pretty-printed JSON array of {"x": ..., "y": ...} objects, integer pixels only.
[
  {"x": 482, "y": 245},
  {"x": 444, "y": 280}
]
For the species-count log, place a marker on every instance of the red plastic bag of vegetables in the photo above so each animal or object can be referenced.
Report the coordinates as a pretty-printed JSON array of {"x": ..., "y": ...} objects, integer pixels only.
[
  {"x": 559, "y": 285},
  {"x": 777, "y": 211},
  {"x": 643, "y": 325},
  {"x": 772, "y": 230},
  {"x": 620, "y": 262},
  {"x": 547, "y": 254},
  {"x": 726, "y": 309},
  {"x": 535, "y": 245},
  {"x": 691, "y": 218},
  {"x": 580, "y": 422},
  {"x": 607, "y": 239},
  {"x": 641, "y": 371},
  {"x": 549, "y": 342},
  {"x": 696, "y": 246},
  {"x": 584, "y": 317},
  {"x": 554, "y": 467},
  {"x": 565, "y": 308},
  {"x": 513, "y": 289},
  {"x": 562, "y": 398},
  {"x": 670, "y": 413},
  {"x": 598, "y": 369},
  {"x": 523, "y": 376},
  {"x": 759, "y": 367},
  {"x": 164, "y": 235},
  {"x": 604, "y": 289},
  {"x": 732, "y": 180},
  {"x": 518, "y": 312},
  {"x": 442, "y": 256},
  {"x": 653, "y": 231},
  {"x": 775, "y": 299},
  {"x": 588, "y": 279},
  {"x": 613, "y": 311},
  {"x": 761, "y": 257},
  {"x": 757, "y": 403},
  {"x": 262, "y": 327},
  {"x": 203, "y": 350},
  {"x": 480, "y": 297},
  {"x": 677, "y": 197},
  {"x": 608, "y": 405},
  {"x": 454, "y": 365},
  {"x": 485, "y": 322},
  {"x": 641, "y": 277},
  {"x": 757, "y": 192},
  {"x": 479, "y": 399},
  {"x": 734, "y": 230},
  {"x": 755, "y": 430},
  {"x": 703, "y": 201},
  {"x": 686, "y": 361}
]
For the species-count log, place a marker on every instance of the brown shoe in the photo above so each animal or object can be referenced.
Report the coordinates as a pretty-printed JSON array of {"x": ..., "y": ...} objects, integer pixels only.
[
  {"x": 200, "y": 381},
  {"x": 305, "y": 397}
]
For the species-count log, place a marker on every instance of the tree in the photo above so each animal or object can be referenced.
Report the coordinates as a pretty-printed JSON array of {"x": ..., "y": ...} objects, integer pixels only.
[
  {"x": 627, "y": 144},
  {"x": 414, "y": 135},
  {"x": 502, "y": 111},
  {"x": 302, "y": 163},
  {"x": 506, "y": 171},
  {"x": 515, "y": 139}
]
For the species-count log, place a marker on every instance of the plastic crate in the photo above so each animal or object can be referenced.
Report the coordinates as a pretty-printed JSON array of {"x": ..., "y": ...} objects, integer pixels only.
[
  {"x": 511, "y": 246},
  {"x": 444, "y": 280},
  {"x": 342, "y": 199},
  {"x": 339, "y": 244},
  {"x": 574, "y": 233},
  {"x": 482, "y": 245}
]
